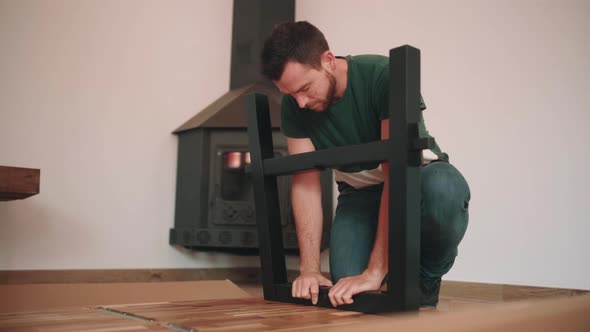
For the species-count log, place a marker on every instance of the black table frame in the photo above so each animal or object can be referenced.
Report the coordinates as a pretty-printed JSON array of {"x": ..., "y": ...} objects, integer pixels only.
[{"x": 403, "y": 153}]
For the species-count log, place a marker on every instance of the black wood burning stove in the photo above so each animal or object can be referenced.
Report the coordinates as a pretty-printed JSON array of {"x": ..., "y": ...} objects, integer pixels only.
[{"x": 214, "y": 195}]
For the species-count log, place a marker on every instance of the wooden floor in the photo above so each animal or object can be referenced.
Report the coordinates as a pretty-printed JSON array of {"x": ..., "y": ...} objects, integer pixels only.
[
  {"x": 241, "y": 314},
  {"x": 252, "y": 314}
]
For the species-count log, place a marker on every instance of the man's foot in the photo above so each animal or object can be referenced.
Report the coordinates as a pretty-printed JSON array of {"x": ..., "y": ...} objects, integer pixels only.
[{"x": 429, "y": 289}]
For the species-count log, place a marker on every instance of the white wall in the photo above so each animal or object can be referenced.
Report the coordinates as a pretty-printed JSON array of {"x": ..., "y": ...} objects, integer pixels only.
[
  {"x": 506, "y": 83},
  {"x": 90, "y": 91}
]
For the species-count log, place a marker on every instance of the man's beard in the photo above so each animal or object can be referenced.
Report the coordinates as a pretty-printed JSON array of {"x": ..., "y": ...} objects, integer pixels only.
[
  {"x": 331, "y": 89},
  {"x": 329, "y": 99}
]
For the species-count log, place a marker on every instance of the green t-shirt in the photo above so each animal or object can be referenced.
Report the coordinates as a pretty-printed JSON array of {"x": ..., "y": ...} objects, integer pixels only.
[{"x": 355, "y": 118}]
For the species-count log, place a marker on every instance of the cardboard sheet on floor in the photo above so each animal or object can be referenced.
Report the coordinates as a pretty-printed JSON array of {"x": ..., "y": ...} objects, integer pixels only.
[
  {"x": 43, "y": 296},
  {"x": 74, "y": 320}
]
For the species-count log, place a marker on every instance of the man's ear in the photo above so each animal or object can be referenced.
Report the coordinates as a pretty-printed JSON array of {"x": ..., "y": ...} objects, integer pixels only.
[{"x": 328, "y": 60}]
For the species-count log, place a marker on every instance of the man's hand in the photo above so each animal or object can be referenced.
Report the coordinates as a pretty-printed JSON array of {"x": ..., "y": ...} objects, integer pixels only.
[
  {"x": 307, "y": 285},
  {"x": 347, "y": 287}
]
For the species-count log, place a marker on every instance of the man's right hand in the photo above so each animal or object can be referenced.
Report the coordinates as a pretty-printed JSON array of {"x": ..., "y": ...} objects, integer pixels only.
[{"x": 307, "y": 285}]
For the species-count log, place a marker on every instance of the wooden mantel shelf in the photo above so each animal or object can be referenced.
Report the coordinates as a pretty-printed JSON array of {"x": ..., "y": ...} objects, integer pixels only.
[{"x": 18, "y": 183}]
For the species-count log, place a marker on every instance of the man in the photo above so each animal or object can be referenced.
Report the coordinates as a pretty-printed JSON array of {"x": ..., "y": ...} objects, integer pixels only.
[{"x": 334, "y": 101}]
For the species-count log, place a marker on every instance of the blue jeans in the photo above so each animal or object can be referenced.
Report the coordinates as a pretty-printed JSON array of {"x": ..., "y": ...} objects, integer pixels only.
[{"x": 444, "y": 218}]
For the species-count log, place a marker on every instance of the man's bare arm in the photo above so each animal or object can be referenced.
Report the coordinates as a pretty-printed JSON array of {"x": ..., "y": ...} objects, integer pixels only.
[{"x": 306, "y": 195}]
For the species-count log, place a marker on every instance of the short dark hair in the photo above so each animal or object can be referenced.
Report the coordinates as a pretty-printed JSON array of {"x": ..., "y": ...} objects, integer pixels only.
[{"x": 292, "y": 41}]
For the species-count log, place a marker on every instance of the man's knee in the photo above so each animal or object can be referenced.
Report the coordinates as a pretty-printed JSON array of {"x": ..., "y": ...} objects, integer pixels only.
[
  {"x": 353, "y": 234},
  {"x": 443, "y": 179},
  {"x": 445, "y": 201},
  {"x": 339, "y": 270},
  {"x": 351, "y": 241},
  {"x": 349, "y": 256},
  {"x": 444, "y": 191}
]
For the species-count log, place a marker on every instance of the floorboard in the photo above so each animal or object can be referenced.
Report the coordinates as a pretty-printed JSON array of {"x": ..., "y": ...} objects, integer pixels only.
[{"x": 248, "y": 312}]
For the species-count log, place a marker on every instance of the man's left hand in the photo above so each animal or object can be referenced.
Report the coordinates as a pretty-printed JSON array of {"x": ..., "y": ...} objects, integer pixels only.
[{"x": 345, "y": 288}]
